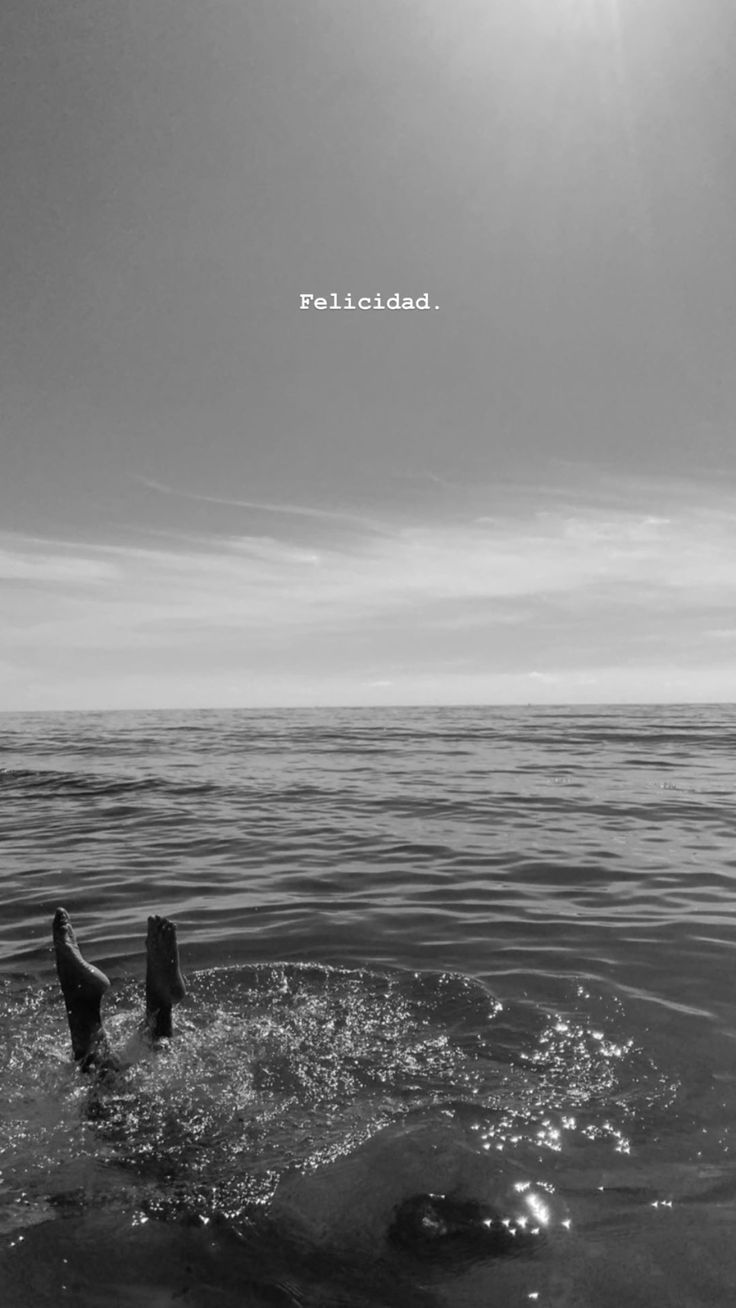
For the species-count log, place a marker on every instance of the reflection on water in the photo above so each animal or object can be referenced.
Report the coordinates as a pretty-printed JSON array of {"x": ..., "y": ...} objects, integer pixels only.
[
  {"x": 408, "y": 866},
  {"x": 298, "y": 1107}
]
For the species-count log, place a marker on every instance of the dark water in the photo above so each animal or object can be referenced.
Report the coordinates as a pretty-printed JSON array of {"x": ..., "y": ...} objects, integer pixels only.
[{"x": 484, "y": 953}]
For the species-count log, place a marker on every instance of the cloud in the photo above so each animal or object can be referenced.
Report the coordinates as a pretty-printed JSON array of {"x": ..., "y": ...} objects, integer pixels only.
[
  {"x": 547, "y": 600},
  {"x": 261, "y": 506},
  {"x": 27, "y": 562}
]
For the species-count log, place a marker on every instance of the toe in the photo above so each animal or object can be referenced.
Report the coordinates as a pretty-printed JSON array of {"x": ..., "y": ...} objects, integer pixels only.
[{"x": 62, "y": 929}]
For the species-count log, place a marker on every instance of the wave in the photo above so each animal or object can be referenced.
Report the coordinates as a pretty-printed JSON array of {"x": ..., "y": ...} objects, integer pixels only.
[{"x": 50, "y": 781}]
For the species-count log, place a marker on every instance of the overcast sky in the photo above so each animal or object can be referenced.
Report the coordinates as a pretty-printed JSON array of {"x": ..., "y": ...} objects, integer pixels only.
[{"x": 209, "y": 496}]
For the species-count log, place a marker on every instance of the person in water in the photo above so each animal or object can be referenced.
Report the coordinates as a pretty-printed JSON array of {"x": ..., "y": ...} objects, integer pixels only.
[
  {"x": 83, "y": 986},
  {"x": 434, "y": 1224}
]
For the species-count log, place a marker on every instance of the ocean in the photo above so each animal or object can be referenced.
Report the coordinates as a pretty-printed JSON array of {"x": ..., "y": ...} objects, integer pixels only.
[{"x": 485, "y": 953}]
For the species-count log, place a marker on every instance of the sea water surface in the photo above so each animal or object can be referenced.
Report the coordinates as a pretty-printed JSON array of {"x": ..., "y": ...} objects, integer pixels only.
[{"x": 486, "y": 953}]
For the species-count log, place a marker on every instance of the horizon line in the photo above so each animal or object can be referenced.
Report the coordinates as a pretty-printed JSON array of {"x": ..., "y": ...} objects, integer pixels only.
[{"x": 311, "y": 708}]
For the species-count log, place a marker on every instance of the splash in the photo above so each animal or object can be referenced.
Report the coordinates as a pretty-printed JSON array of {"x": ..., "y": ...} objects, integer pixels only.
[{"x": 280, "y": 1072}]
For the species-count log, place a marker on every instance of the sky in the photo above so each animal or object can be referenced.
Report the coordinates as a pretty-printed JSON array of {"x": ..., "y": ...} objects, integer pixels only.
[{"x": 210, "y": 496}]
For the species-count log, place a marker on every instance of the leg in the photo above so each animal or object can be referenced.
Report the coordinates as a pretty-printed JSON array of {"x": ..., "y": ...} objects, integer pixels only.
[
  {"x": 164, "y": 981},
  {"x": 83, "y": 987}
]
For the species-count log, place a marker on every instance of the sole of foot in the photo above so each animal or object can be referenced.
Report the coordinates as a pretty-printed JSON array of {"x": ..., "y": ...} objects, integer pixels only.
[
  {"x": 165, "y": 984},
  {"x": 79, "y": 979}
]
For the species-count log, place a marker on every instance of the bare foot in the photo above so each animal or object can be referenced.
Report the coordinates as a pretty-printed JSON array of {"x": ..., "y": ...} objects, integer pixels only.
[
  {"x": 83, "y": 986},
  {"x": 164, "y": 981}
]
